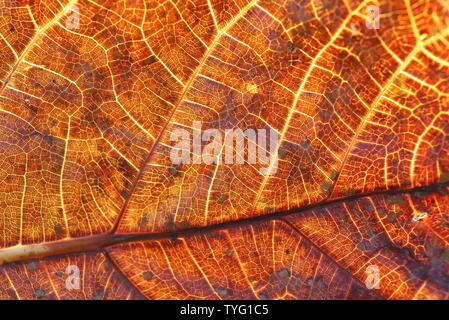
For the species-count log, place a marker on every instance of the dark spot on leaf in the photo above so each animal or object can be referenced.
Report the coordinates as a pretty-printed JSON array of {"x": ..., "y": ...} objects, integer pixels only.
[
  {"x": 283, "y": 273},
  {"x": 48, "y": 139},
  {"x": 444, "y": 177},
  {"x": 100, "y": 295},
  {"x": 395, "y": 200},
  {"x": 170, "y": 226},
  {"x": 183, "y": 225},
  {"x": 32, "y": 108},
  {"x": 444, "y": 224},
  {"x": 149, "y": 60},
  {"x": 39, "y": 293},
  {"x": 282, "y": 153},
  {"x": 147, "y": 275},
  {"x": 326, "y": 186},
  {"x": 173, "y": 171},
  {"x": 420, "y": 272},
  {"x": 392, "y": 217},
  {"x": 124, "y": 194},
  {"x": 419, "y": 194},
  {"x": 291, "y": 47},
  {"x": 142, "y": 222},
  {"x": 306, "y": 145},
  {"x": 320, "y": 283},
  {"x": 222, "y": 198},
  {"x": 334, "y": 175},
  {"x": 58, "y": 230},
  {"x": 32, "y": 266},
  {"x": 349, "y": 192},
  {"x": 431, "y": 250},
  {"x": 223, "y": 293},
  {"x": 445, "y": 255},
  {"x": 12, "y": 293},
  {"x": 326, "y": 115}
]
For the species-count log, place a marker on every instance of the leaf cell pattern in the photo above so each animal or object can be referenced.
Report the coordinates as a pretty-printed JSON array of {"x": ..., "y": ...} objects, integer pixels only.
[{"x": 91, "y": 91}]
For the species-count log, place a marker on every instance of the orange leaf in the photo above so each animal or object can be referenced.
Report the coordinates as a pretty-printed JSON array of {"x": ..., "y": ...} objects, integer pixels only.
[{"x": 93, "y": 91}]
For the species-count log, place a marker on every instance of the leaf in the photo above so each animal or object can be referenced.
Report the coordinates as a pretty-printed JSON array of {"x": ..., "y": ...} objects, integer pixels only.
[
  {"x": 92, "y": 91},
  {"x": 47, "y": 279},
  {"x": 320, "y": 253}
]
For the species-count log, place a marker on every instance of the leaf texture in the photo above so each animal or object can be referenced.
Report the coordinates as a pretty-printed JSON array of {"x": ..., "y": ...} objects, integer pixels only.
[{"x": 86, "y": 176}]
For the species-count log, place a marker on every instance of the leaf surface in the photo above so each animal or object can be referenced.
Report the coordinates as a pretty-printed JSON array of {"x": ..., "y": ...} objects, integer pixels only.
[{"x": 85, "y": 169}]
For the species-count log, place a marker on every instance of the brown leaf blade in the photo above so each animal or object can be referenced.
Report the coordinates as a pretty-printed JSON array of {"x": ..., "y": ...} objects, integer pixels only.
[
  {"x": 320, "y": 253},
  {"x": 87, "y": 112}
]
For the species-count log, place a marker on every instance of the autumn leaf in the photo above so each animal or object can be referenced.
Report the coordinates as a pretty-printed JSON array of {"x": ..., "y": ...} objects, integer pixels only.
[{"x": 93, "y": 207}]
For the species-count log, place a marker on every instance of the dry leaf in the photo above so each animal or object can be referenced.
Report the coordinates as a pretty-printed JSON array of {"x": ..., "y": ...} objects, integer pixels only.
[{"x": 92, "y": 90}]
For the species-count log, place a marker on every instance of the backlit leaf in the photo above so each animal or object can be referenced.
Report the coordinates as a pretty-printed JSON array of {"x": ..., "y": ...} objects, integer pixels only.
[{"x": 91, "y": 92}]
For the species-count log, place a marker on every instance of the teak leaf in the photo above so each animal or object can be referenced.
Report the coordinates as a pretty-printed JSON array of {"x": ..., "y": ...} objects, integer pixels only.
[{"x": 92, "y": 205}]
